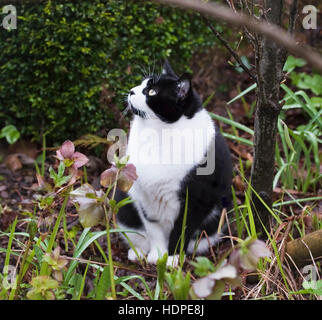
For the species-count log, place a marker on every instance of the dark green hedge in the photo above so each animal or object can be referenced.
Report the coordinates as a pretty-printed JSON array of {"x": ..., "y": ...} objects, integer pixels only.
[{"x": 54, "y": 65}]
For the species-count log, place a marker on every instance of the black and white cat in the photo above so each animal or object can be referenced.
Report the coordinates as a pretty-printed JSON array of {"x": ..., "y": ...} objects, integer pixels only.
[{"x": 175, "y": 147}]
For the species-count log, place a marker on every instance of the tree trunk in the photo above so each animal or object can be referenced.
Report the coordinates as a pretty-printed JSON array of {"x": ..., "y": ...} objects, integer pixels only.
[{"x": 270, "y": 59}]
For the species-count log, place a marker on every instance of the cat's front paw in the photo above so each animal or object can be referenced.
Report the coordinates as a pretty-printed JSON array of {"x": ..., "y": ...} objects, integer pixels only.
[
  {"x": 153, "y": 256},
  {"x": 173, "y": 261},
  {"x": 132, "y": 256}
]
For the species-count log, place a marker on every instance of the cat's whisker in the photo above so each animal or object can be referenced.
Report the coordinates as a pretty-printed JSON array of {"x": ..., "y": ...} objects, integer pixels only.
[
  {"x": 125, "y": 111},
  {"x": 153, "y": 67},
  {"x": 150, "y": 74},
  {"x": 158, "y": 77},
  {"x": 143, "y": 70}
]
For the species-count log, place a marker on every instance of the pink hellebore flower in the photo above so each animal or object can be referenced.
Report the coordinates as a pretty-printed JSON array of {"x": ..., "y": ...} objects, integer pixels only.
[
  {"x": 126, "y": 178},
  {"x": 247, "y": 258},
  {"x": 67, "y": 154},
  {"x": 90, "y": 211}
]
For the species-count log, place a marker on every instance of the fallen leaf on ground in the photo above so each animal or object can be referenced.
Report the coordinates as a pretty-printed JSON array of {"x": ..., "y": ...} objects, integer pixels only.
[{"x": 13, "y": 163}]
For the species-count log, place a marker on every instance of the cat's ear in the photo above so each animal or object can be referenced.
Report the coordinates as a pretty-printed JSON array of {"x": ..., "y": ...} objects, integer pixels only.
[
  {"x": 184, "y": 86},
  {"x": 167, "y": 69}
]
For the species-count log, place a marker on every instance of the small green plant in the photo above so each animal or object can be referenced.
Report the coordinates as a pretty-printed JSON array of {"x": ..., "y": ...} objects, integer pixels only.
[
  {"x": 312, "y": 287},
  {"x": 178, "y": 282},
  {"x": 58, "y": 177},
  {"x": 42, "y": 288},
  {"x": 11, "y": 133}
]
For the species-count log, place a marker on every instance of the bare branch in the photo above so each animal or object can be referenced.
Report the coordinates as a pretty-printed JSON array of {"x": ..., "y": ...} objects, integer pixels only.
[
  {"x": 229, "y": 48},
  {"x": 16, "y": 2},
  {"x": 271, "y": 31}
]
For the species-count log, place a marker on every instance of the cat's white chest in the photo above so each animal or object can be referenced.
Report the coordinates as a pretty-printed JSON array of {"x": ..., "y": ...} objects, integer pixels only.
[{"x": 163, "y": 155}]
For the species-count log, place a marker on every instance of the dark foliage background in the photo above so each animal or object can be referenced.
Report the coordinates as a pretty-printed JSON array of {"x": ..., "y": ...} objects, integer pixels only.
[{"x": 64, "y": 69}]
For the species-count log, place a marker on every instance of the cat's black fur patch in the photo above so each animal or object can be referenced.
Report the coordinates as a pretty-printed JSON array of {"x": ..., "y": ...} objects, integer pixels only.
[
  {"x": 128, "y": 214},
  {"x": 205, "y": 194},
  {"x": 166, "y": 103}
]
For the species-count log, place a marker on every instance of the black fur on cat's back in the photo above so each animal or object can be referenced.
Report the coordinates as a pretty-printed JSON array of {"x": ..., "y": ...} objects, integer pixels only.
[{"x": 204, "y": 193}]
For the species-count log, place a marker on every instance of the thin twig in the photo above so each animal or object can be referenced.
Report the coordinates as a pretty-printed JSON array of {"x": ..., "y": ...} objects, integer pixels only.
[
  {"x": 229, "y": 48},
  {"x": 283, "y": 245},
  {"x": 312, "y": 258}
]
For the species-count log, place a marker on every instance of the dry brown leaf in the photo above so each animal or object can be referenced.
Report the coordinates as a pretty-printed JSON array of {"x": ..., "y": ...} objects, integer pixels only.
[
  {"x": 26, "y": 147},
  {"x": 13, "y": 163},
  {"x": 238, "y": 183}
]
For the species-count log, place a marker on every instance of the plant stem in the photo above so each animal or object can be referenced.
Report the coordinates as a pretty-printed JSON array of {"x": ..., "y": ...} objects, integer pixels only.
[
  {"x": 44, "y": 265},
  {"x": 24, "y": 258},
  {"x": 85, "y": 174},
  {"x": 43, "y": 158},
  {"x": 109, "y": 249},
  {"x": 113, "y": 196}
]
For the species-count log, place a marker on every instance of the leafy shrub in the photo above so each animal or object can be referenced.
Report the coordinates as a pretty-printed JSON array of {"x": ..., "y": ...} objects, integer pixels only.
[{"x": 56, "y": 64}]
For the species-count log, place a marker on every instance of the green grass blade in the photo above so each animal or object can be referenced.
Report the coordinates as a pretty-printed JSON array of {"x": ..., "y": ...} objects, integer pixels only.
[
  {"x": 239, "y": 139},
  {"x": 233, "y": 123},
  {"x": 84, "y": 241},
  {"x": 83, "y": 282},
  {"x": 250, "y": 88}
]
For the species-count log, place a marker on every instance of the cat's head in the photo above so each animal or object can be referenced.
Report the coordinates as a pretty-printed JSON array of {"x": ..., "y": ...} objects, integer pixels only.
[{"x": 165, "y": 96}]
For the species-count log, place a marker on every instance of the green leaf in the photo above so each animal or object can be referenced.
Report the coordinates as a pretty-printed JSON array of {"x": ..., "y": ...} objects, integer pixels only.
[
  {"x": 39, "y": 253},
  {"x": 292, "y": 62},
  {"x": 124, "y": 202},
  {"x": 314, "y": 83},
  {"x": 104, "y": 284},
  {"x": 161, "y": 269},
  {"x": 61, "y": 169},
  {"x": 232, "y": 123},
  {"x": 287, "y": 136},
  {"x": 11, "y": 134},
  {"x": 75, "y": 282},
  {"x": 178, "y": 283},
  {"x": 52, "y": 173},
  {"x": 203, "y": 266}
]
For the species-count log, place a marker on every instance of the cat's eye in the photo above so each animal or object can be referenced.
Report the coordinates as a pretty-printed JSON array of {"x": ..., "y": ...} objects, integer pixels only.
[{"x": 152, "y": 92}]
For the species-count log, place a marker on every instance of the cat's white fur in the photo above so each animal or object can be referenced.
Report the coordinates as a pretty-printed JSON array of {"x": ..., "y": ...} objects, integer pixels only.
[{"x": 155, "y": 192}]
